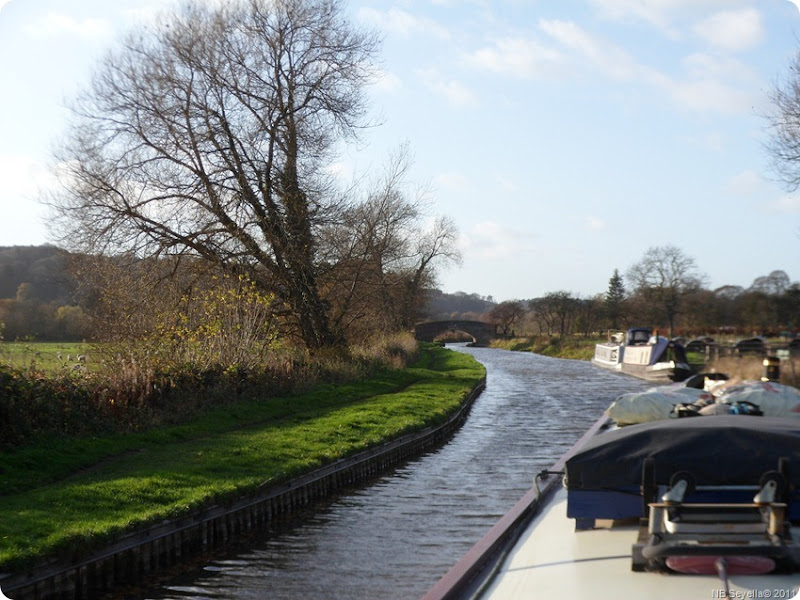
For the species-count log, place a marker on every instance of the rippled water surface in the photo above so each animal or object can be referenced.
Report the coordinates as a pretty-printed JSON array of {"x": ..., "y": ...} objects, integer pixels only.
[{"x": 397, "y": 537}]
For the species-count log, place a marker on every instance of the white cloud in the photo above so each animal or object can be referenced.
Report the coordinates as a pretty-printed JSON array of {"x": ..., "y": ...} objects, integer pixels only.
[
  {"x": 701, "y": 65},
  {"x": 155, "y": 11},
  {"x": 761, "y": 193},
  {"x": 709, "y": 96},
  {"x": 456, "y": 93},
  {"x": 55, "y": 24},
  {"x": 746, "y": 183},
  {"x": 402, "y": 23},
  {"x": 661, "y": 14},
  {"x": 733, "y": 30},
  {"x": 608, "y": 57},
  {"x": 711, "y": 83},
  {"x": 787, "y": 204},
  {"x": 596, "y": 223},
  {"x": 22, "y": 177},
  {"x": 517, "y": 57},
  {"x": 452, "y": 180},
  {"x": 653, "y": 12},
  {"x": 386, "y": 82},
  {"x": 489, "y": 240},
  {"x": 506, "y": 184}
]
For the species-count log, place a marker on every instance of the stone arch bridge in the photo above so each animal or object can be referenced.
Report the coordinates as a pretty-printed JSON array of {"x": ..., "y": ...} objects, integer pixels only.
[{"x": 482, "y": 333}]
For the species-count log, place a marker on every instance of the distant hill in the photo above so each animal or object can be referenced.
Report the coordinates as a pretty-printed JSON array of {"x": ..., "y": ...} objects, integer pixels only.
[
  {"x": 456, "y": 306},
  {"x": 43, "y": 268}
]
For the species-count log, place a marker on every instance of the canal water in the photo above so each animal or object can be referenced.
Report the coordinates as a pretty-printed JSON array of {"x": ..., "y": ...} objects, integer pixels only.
[{"x": 396, "y": 537}]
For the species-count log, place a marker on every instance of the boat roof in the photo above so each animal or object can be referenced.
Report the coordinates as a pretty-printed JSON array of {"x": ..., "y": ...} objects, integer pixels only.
[
  {"x": 538, "y": 551},
  {"x": 720, "y": 450}
]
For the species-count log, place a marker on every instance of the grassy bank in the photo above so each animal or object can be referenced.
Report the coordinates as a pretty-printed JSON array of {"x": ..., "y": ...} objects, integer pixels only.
[
  {"x": 65, "y": 495},
  {"x": 567, "y": 347}
]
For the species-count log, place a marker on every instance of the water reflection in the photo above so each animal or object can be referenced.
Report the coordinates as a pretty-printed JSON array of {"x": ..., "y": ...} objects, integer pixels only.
[{"x": 397, "y": 537}]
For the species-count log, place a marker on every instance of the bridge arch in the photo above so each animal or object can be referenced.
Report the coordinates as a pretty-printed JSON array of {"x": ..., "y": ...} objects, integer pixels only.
[{"x": 481, "y": 332}]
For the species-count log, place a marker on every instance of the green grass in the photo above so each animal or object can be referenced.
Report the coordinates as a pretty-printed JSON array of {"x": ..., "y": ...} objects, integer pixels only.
[
  {"x": 65, "y": 495},
  {"x": 567, "y": 347},
  {"x": 43, "y": 355}
]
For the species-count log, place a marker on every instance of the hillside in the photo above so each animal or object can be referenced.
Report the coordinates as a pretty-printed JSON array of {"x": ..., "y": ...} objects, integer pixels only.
[
  {"x": 43, "y": 268},
  {"x": 459, "y": 305}
]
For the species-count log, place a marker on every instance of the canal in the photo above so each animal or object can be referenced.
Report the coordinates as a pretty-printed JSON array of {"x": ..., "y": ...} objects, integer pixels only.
[{"x": 396, "y": 537}]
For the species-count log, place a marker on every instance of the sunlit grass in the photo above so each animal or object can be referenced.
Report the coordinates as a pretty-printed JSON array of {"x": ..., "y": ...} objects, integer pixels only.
[{"x": 577, "y": 348}]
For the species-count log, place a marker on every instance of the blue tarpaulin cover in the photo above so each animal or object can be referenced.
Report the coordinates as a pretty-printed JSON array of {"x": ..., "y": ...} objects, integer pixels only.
[{"x": 719, "y": 450}]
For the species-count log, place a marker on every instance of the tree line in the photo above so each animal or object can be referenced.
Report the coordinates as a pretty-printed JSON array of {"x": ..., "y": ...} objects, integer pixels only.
[
  {"x": 663, "y": 290},
  {"x": 121, "y": 298}
]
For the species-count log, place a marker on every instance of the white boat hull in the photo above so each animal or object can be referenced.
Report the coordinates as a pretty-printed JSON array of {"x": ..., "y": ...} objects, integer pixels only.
[{"x": 609, "y": 356}]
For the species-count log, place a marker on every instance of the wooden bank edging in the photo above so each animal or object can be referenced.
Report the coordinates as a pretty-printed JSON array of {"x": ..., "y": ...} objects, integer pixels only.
[{"x": 131, "y": 559}]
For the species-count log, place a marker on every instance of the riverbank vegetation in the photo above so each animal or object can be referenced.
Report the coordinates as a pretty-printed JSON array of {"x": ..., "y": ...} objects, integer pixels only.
[
  {"x": 743, "y": 367},
  {"x": 678, "y": 306},
  {"x": 62, "y": 494},
  {"x": 578, "y": 348},
  {"x": 112, "y": 390}
]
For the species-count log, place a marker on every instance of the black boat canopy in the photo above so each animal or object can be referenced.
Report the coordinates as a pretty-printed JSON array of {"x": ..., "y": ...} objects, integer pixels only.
[{"x": 718, "y": 450}]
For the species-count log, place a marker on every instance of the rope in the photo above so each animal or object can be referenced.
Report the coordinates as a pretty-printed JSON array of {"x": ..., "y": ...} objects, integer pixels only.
[{"x": 722, "y": 570}]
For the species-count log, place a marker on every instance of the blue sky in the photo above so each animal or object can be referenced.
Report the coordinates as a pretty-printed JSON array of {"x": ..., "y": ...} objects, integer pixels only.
[{"x": 564, "y": 137}]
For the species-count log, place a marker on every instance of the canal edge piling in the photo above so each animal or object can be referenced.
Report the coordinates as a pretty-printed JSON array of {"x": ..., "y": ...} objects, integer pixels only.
[{"x": 132, "y": 558}]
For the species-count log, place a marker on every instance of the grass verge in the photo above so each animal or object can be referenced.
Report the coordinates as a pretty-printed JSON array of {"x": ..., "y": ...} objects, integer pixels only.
[
  {"x": 61, "y": 497},
  {"x": 566, "y": 347}
]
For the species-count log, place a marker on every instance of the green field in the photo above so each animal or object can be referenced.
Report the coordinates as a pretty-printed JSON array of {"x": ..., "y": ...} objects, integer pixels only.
[{"x": 44, "y": 356}]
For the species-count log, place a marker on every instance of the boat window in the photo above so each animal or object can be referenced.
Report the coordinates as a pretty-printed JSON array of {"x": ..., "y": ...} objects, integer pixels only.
[{"x": 638, "y": 336}]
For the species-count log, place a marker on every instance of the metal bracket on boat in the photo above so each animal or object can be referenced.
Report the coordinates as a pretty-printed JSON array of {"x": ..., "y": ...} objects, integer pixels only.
[
  {"x": 677, "y": 492},
  {"x": 544, "y": 473},
  {"x": 767, "y": 494},
  {"x": 679, "y": 533}
]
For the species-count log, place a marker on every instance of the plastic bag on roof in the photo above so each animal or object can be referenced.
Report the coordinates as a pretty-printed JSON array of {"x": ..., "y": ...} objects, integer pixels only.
[
  {"x": 651, "y": 405},
  {"x": 774, "y": 399}
]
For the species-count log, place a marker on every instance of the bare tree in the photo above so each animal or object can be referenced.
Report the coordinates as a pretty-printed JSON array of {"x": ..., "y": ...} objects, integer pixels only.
[
  {"x": 784, "y": 124},
  {"x": 664, "y": 277},
  {"x": 507, "y": 315},
  {"x": 206, "y": 136},
  {"x": 556, "y": 311},
  {"x": 382, "y": 256},
  {"x": 589, "y": 314},
  {"x": 775, "y": 284}
]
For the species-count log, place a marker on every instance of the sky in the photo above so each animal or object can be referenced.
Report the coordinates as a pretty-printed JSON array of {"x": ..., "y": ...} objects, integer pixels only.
[{"x": 563, "y": 137}]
